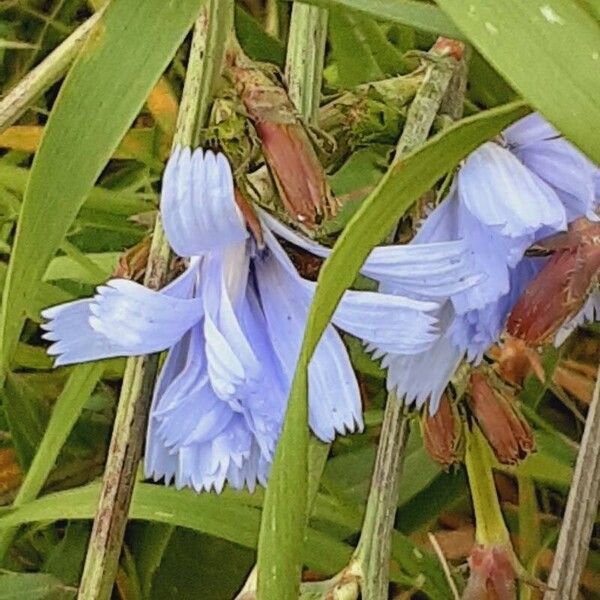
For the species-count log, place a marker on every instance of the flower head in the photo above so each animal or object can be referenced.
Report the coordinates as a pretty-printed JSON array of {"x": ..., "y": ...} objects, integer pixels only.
[
  {"x": 233, "y": 323},
  {"x": 507, "y": 195}
]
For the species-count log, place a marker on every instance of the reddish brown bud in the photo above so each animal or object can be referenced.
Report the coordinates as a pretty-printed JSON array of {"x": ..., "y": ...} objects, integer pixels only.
[
  {"x": 442, "y": 434},
  {"x": 492, "y": 574},
  {"x": 515, "y": 360},
  {"x": 250, "y": 216},
  {"x": 561, "y": 287},
  {"x": 287, "y": 148},
  {"x": 449, "y": 47},
  {"x": 505, "y": 428},
  {"x": 132, "y": 263}
]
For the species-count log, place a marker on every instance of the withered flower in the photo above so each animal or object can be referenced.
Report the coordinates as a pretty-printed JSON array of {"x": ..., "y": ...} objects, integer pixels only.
[
  {"x": 442, "y": 434},
  {"x": 559, "y": 292},
  {"x": 505, "y": 428},
  {"x": 492, "y": 574},
  {"x": 286, "y": 145}
]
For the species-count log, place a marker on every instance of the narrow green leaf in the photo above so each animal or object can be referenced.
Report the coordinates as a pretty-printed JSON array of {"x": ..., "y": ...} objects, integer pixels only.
[
  {"x": 99, "y": 99},
  {"x": 33, "y": 586},
  {"x": 549, "y": 51},
  {"x": 68, "y": 407},
  {"x": 408, "y": 12},
  {"x": 405, "y": 181},
  {"x": 217, "y": 515}
]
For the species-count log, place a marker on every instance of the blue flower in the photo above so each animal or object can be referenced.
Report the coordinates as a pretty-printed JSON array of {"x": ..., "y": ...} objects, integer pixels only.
[
  {"x": 507, "y": 195},
  {"x": 233, "y": 323}
]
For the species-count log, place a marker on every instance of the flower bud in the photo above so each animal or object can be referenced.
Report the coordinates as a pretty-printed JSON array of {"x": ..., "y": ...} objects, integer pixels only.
[
  {"x": 492, "y": 574},
  {"x": 442, "y": 434},
  {"x": 287, "y": 148},
  {"x": 561, "y": 288},
  {"x": 505, "y": 428}
]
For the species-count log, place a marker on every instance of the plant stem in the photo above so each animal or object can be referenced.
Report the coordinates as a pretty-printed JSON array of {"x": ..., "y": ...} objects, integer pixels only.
[
  {"x": 130, "y": 423},
  {"x": 373, "y": 550},
  {"x": 580, "y": 513},
  {"x": 305, "y": 58},
  {"x": 50, "y": 70},
  {"x": 490, "y": 527}
]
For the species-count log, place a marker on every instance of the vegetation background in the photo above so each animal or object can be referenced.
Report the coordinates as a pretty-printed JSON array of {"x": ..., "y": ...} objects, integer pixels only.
[{"x": 179, "y": 544}]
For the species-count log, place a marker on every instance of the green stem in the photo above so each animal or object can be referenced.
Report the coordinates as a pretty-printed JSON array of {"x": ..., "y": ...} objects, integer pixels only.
[
  {"x": 66, "y": 411},
  {"x": 40, "y": 78},
  {"x": 130, "y": 422},
  {"x": 490, "y": 527},
  {"x": 305, "y": 58},
  {"x": 373, "y": 551},
  {"x": 580, "y": 513},
  {"x": 209, "y": 43}
]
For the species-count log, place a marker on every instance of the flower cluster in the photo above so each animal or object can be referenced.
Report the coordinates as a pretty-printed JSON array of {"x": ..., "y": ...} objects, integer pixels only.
[
  {"x": 233, "y": 323},
  {"x": 508, "y": 194}
]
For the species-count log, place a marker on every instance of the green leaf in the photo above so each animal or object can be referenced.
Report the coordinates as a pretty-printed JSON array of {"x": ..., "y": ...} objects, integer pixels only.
[
  {"x": 97, "y": 103},
  {"x": 33, "y": 586},
  {"x": 68, "y": 407},
  {"x": 350, "y": 33},
  {"x": 222, "y": 516},
  {"x": 67, "y": 267},
  {"x": 257, "y": 44},
  {"x": 26, "y": 415},
  {"x": 548, "y": 51},
  {"x": 406, "y": 180},
  {"x": 408, "y": 12}
]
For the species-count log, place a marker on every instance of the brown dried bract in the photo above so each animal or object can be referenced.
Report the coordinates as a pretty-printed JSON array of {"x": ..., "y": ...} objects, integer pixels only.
[
  {"x": 561, "y": 287},
  {"x": 500, "y": 420},
  {"x": 442, "y": 434},
  {"x": 287, "y": 148}
]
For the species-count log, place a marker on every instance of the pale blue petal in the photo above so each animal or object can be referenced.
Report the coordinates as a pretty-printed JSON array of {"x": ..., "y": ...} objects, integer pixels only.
[
  {"x": 140, "y": 319},
  {"x": 476, "y": 330},
  {"x": 397, "y": 323},
  {"x": 424, "y": 376},
  {"x": 74, "y": 339},
  {"x": 334, "y": 401},
  {"x": 442, "y": 268},
  {"x": 588, "y": 314},
  {"x": 233, "y": 367},
  {"x": 393, "y": 323},
  {"x": 333, "y": 394},
  {"x": 502, "y": 193},
  {"x": 530, "y": 129},
  {"x": 194, "y": 437},
  {"x": 197, "y": 203},
  {"x": 123, "y": 319}
]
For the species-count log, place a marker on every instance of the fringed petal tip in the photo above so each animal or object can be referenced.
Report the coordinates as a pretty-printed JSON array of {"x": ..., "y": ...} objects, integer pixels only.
[
  {"x": 198, "y": 206},
  {"x": 123, "y": 319},
  {"x": 589, "y": 313}
]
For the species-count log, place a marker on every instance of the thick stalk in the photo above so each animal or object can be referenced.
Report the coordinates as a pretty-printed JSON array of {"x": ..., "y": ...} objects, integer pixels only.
[
  {"x": 130, "y": 423},
  {"x": 40, "y": 78},
  {"x": 305, "y": 57},
  {"x": 373, "y": 550},
  {"x": 582, "y": 506},
  {"x": 490, "y": 527}
]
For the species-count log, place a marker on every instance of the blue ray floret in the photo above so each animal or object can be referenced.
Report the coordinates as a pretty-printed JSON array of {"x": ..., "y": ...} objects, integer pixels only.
[
  {"x": 233, "y": 323},
  {"x": 507, "y": 195}
]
